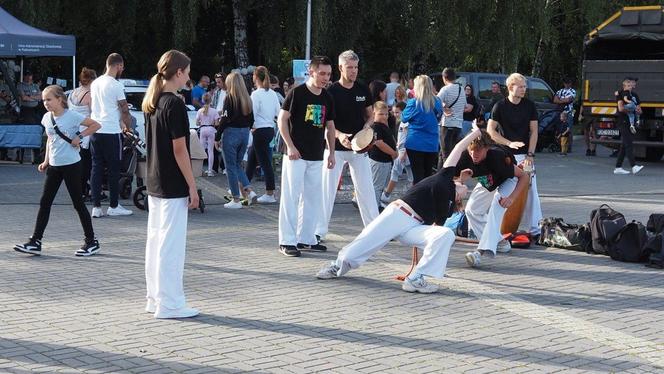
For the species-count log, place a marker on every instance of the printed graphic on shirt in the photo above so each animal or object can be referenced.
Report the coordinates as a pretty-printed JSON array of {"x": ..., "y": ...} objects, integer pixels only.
[
  {"x": 360, "y": 98},
  {"x": 315, "y": 115},
  {"x": 486, "y": 181}
]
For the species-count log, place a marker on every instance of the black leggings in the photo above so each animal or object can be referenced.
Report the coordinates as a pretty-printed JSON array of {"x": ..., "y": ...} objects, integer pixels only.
[
  {"x": 626, "y": 148},
  {"x": 451, "y": 136},
  {"x": 71, "y": 174},
  {"x": 421, "y": 163},
  {"x": 261, "y": 153}
]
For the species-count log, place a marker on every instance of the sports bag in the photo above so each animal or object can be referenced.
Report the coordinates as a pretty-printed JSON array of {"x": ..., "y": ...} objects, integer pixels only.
[
  {"x": 655, "y": 223},
  {"x": 557, "y": 233},
  {"x": 628, "y": 244},
  {"x": 604, "y": 224}
]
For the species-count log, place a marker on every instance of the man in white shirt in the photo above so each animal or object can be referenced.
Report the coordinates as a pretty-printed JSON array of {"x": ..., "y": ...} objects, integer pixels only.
[
  {"x": 109, "y": 108},
  {"x": 453, "y": 99},
  {"x": 392, "y": 87}
]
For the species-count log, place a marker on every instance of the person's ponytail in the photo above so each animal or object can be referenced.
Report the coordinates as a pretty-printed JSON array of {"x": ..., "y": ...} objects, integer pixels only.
[
  {"x": 263, "y": 76},
  {"x": 168, "y": 65},
  {"x": 152, "y": 94}
]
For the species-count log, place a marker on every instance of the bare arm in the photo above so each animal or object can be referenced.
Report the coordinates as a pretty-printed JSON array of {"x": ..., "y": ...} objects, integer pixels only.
[
  {"x": 284, "y": 130},
  {"x": 492, "y": 129},
  {"x": 468, "y": 108},
  {"x": 330, "y": 131},
  {"x": 532, "y": 142},
  {"x": 368, "y": 116},
  {"x": 386, "y": 149},
  {"x": 523, "y": 180},
  {"x": 124, "y": 114},
  {"x": 461, "y": 146},
  {"x": 91, "y": 125},
  {"x": 41, "y": 167},
  {"x": 184, "y": 163}
]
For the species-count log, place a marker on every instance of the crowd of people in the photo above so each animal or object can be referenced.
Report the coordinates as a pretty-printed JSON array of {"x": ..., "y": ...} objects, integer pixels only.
[{"x": 440, "y": 139}]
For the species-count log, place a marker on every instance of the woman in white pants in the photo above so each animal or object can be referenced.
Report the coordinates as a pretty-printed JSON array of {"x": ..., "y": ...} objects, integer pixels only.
[
  {"x": 415, "y": 220},
  {"x": 171, "y": 188}
]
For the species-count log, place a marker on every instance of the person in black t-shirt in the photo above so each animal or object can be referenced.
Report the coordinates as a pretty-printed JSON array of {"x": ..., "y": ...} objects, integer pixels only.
[
  {"x": 495, "y": 169},
  {"x": 306, "y": 120},
  {"x": 627, "y": 130},
  {"x": 352, "y": 101},
  {"x": 517, "y": 117},
  {"x": 171, "y": 187},
  {"x": 415, "y": 220},
  {"x": 383, "y": 151}
]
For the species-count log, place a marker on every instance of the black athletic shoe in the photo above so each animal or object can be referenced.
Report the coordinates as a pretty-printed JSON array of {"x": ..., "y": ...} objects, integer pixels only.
[
  {"x": 289, "y": 250},
  {"x": 593, "y": 153},
  {"x": 589, "y": 152},
  {"x": 89, "y": 248},
  {"x": 33, "y": 247},
  {"x": 314, "y": 247}
]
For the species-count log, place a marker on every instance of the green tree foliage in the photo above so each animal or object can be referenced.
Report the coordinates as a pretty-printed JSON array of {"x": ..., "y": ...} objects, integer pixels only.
[{"x": 541, "y": 37}]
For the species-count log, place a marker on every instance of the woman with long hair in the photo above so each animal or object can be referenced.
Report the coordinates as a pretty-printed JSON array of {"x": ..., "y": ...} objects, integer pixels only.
[
  {"x": 469, "y": 111},
  {"x": 171, "y": 187},
  {"x": 79, "y": 102},
  {"x": 265, "y": 103},
  {"x": 422, "y": 114},
  {"x": 206, "y": 119},
  {"x": 62, "y": 162},
  {"x": 237, "y": 117}
]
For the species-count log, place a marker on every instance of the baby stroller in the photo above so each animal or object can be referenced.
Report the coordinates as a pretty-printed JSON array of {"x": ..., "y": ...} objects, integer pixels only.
[
  {"x": 197, "y": 155},
  {"x": 549, "y": 125},
  {"x": 133, "y": 148}
]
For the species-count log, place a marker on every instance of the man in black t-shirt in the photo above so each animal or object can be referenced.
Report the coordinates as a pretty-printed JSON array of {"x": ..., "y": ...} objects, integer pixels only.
[
  {"x": 306, "y": 120},
  {"x": 353, "y": 103},
  {"x": 517, "y": 118},
  {"x": 415, "y": 220},
  {"x": 495, "y": 169}
]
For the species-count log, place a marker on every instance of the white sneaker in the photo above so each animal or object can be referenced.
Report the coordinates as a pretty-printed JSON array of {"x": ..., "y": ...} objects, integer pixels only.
[
  {"x": 384, "y": 198},
  {"x": 209, "y": 173},
  {"x": 328, "y": 272},
  {"x": 229, "y": 191},
  {"x": 233, "y": 205},
  {"x": 504, "y": 246},
  {"x": 345, "y": 267},
  {"x": 185, "y": 312},
  {"x": 620, "y": 171},
  {"x": 266, "y": 199},
  {"x": 251, "y": 198},
  {"x": 151, "y": 306},
  {"x": 118, "y": 211},
  {"x": 636, "y": 168},
  {"x": 224, "y": 173},
  {"x": 97, "y": 212},
  {"x": 418, "y": 285},
  {"x": 474, "y": 259}
]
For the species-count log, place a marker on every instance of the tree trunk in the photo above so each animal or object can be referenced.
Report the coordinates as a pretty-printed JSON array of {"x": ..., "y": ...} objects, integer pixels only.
[
  {"x": 240, "y": 32},
  {"x": 541, "y": 44}
]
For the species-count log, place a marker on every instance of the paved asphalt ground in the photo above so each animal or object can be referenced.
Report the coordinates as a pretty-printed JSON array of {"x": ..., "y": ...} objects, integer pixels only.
[{"x": 533, "y": 310}]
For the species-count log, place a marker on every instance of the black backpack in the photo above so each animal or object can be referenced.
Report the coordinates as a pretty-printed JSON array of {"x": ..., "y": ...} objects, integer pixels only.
[
  {"x": 557, "y": 233},
  {"x": 604, "y": 224},
  {"x": 655, "y": 247},
  {"x": 628, "y": 244},
  {"x": 655, "y": 223}
]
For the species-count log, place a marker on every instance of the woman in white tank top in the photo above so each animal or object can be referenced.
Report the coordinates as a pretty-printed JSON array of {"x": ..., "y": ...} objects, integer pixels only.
[{"x": 79, "y": 102}]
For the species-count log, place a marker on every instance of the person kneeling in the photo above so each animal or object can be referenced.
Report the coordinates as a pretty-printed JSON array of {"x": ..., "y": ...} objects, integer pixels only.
[{"x": 415, "y": 220}]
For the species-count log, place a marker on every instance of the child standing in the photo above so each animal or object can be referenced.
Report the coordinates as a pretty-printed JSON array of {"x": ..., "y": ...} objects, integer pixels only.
[
  {"x": 206, "y": 120},
  {"x": 563, "y": 133},
  {"x": 62, "y": 162},
  {"x": 171, "y": 188},
  {"x": 631, "y": 101},
  {"x": 401, "y": 162},
  {"x": 383, "y": 151}
]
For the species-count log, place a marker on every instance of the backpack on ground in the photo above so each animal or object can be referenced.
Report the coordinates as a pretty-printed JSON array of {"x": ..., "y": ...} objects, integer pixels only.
[
  {"x": 555, "y": 232},
  {"x": 604, "y": 224},
  {"x": 655, "y": 223},
  {"x": 628, "y": 244},
  {"x": 655, "y": 247}
]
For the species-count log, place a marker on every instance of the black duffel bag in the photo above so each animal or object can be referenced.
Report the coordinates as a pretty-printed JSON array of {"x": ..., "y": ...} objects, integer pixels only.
[
  {"x": 604, "y": 224},
  {"x": 555, "y": 232},
  {"x": 629, "y": 243},
  {"x": 655, "y": 223}
]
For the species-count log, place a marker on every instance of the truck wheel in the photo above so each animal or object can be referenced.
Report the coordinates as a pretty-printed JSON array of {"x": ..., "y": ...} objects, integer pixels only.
[{"x": 654, "y": 154}]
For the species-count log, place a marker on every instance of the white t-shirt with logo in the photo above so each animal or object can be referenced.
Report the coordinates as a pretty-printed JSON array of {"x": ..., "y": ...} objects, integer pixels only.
[
  {"x": 265, "y": 106},
  {"x": 106, "y": 91},
  {"x": 62, "y": 153}
]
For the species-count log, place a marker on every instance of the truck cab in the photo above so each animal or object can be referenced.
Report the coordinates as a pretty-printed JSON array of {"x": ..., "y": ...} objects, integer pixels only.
[{"x": 628, "y": 44}]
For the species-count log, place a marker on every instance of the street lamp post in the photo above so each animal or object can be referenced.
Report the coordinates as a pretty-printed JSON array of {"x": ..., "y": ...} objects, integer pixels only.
[{"x": 308, "y": 43}]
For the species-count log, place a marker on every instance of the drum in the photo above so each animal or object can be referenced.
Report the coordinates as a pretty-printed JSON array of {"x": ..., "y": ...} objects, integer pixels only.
[
  {"x": 363, "y": 140},
  {"x": 514, "y": 213}
]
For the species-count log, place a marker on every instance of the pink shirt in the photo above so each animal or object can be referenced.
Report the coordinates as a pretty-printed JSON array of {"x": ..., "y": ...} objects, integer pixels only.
[{"x": 207, "y": 120}]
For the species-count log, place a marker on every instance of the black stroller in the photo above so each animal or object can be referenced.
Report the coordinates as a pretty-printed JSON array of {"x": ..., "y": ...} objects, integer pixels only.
[
  {"x": 549, "y": 126},
  {"x": 133, "y": 149}
]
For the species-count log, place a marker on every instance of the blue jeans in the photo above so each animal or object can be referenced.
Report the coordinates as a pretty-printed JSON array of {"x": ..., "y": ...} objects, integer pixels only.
[
  {"x": 631, "y": 113},
  {"x": 234, "y": 145},
  {"x": 466, "y": 126}
]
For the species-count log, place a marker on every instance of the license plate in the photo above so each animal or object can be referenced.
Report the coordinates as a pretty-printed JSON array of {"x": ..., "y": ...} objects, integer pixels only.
[{"x": 608, "y": 132}]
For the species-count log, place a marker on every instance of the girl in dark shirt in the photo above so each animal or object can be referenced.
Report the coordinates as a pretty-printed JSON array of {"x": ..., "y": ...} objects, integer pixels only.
[
  {"x": 171, "y": 188},
  {"x": 415, "y": 220},
  {"x": 237, "y": 117}
]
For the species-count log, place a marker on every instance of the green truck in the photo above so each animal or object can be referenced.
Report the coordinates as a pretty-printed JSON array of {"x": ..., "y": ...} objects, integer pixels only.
[{"x": 628, "y": 44}]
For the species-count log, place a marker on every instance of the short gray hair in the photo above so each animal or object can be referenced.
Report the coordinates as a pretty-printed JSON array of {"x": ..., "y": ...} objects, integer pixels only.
[{"x": 348, "y": 55}]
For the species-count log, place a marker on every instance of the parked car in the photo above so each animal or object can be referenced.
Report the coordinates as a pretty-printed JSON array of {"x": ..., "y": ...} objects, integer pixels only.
[
  {"x": 538, "y": 90},
  {"x": 135, "y": 92}
]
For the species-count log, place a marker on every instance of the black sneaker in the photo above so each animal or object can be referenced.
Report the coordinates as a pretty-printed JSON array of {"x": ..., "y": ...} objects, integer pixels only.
[
  {"x": 88, "y": 248},
  {"x": 33, "y": 247},
  {"x": 289, "y": 250},
  {"x": 314, "y": 247},
  {"x": 589, "y": 152},
  {"x": 593, "y": 153}
]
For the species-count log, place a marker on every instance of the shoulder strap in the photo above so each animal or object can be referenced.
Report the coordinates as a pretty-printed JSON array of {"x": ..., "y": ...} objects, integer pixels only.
[
  {"x": 57, "y": 130},
  {"x": 458, "y": 96}
]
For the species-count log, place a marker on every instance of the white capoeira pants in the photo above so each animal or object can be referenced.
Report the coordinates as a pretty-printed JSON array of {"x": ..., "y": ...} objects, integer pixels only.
[
  {"x": 532, "y": 214},
  {"x": 165, "y": 251},
  {"x": 300, "y": 201},
  {"x": 360, "y": 172},
  {"x": 485, "y": 214},
  {"x": 394, "y": 223}
]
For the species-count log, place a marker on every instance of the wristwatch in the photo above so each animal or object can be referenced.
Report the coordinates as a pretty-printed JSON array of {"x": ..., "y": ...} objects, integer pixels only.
[
  {"x": 80, "y": 136},
  {"x": 530, "y": 154}
]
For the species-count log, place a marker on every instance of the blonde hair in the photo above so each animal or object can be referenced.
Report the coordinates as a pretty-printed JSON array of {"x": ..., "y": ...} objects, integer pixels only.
[
  {"x": 380, "y": 105},
  {"x": 237, "y": 93},
  {"x": 423, "y": 87},
  {"x": 401, "y": 91},
  {"x": 168, "y": 65},
  {"x": 206, "y": 101},
  {"x": 263, "y": 76},
  {"x": 58, "y": 92},
  {"x": 513, "y": 79}
]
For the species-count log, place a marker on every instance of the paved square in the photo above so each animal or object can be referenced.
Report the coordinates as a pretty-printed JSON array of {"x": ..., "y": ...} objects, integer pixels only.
[{"x": 534, "y": 310}]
